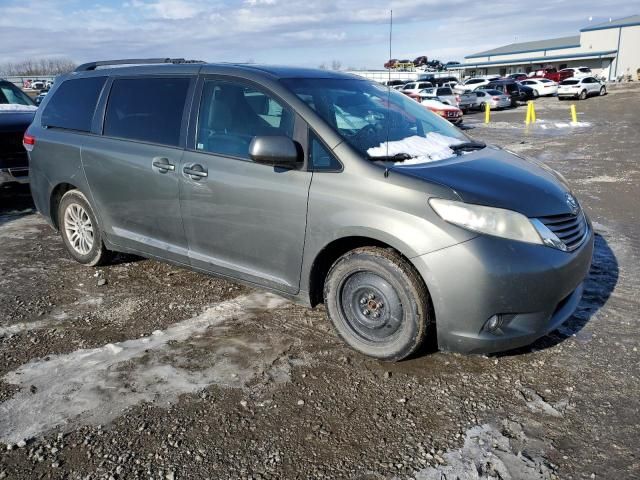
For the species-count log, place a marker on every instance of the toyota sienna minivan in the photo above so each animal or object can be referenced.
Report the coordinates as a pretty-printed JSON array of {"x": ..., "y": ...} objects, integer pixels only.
[{"x": 320, "y": 186}]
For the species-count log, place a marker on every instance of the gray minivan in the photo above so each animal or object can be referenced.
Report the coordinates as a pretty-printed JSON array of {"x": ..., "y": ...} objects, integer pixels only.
[{"x": 320, "y": 186}]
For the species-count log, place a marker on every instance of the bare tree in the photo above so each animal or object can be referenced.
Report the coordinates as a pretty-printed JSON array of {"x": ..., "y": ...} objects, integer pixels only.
[
  {"x": 35, "y": 67},
  {"x": 336, "y": 65},
  {"x": 323, "y": 66}
]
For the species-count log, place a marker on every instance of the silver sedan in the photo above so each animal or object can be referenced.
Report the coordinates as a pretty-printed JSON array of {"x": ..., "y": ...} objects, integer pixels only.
[{"x": 492, "y": 98}]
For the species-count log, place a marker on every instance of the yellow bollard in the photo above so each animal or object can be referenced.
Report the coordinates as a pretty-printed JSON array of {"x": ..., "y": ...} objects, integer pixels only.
[
  {"x": 487, "y": 113},
  {"x": 533, "y": 112},
  {"x": 527, "y": 119},
  {"x": 574, "y": 116}
]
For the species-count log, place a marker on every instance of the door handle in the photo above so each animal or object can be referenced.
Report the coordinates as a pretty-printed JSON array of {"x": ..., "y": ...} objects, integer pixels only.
[
  {"x": 163, "y": 165},
  {"x": 196, "y": 172}
]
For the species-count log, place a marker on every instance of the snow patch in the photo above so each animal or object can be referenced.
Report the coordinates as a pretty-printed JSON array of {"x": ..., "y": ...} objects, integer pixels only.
[
  {"x": 96, "y": 385},
  {"x": 487, "y": 454},
  {"x": 14, "y": 107},
  {"x": 431, "y": 148}
]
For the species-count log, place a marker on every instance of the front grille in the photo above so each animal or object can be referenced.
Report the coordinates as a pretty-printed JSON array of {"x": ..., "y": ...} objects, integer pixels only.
[{"x": 568, "y": 228}]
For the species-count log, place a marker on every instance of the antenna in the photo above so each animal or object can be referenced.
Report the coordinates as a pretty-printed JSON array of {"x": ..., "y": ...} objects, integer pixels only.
[{"x": 386, "y": 171}]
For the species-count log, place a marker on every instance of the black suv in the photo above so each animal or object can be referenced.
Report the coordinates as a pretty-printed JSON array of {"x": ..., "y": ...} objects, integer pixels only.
[
  {"x": 510, "y": 87},
  {"x": 16, "y": 113}
]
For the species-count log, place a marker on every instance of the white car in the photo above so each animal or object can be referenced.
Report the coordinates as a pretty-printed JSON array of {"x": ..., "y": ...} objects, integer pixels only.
[
  {"x": 415, "y": 87},
  {"x": 580, "y": 88},
  {"x": 541, "y": 86},
  {"x": 579, "y": 72},
  {"x": 445, "y": 94},
  {"x": 473, "y": 83}
]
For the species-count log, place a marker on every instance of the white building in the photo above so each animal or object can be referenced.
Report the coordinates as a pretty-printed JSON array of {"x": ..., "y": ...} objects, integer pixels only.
[{"x": 611, "y": 49}]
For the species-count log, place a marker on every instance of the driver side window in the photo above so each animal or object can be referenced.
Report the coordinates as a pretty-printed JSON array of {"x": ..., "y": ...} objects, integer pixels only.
[{"x": 231, "y": 114}]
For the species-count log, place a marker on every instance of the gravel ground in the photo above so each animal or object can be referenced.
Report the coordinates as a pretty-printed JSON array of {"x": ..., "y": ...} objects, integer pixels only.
[{"x": 145, "y": 370}]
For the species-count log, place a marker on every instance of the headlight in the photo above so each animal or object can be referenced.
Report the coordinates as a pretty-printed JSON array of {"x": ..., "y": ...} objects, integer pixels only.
[{"x": 491, "y": 221}]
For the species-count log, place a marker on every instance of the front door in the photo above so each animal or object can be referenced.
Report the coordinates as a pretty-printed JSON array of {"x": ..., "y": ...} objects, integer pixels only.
[
  {"x": 243, "y": 219},
  {"x": 133, "y": 168}
]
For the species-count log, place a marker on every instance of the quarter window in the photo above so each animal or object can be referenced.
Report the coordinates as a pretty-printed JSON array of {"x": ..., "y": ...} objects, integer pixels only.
[
  {"x": 73, "y": 104},
  {"x": 231, "y": 114},
  {"x": 320, "y": 158},
  {"x": 147, "y": 109}
]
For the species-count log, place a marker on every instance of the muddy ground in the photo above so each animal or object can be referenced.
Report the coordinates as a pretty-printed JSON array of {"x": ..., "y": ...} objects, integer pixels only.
[{"x": 145, "y": 370}]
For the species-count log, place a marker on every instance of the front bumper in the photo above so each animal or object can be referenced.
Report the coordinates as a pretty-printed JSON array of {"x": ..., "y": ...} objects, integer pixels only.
[
  {"x": 11, "y": 175},
  {"x": 532, "y": 288}
]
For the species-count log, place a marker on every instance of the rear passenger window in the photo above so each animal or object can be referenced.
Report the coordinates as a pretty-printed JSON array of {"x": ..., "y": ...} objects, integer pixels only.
[
  {"x": 231, "y": 114},
  {"x": 147, "y": 109},
  {"x": 320, "y": 158},
  {"x": 73, "y": 104}
]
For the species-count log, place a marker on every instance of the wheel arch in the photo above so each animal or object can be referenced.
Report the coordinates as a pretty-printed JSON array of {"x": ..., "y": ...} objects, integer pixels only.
[
  {"x": 327, "y": 256},
  {"x": 54, "y": 200}
]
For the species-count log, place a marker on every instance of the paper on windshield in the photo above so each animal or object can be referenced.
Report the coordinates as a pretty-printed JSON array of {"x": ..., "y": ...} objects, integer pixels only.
[
  {"x": 431, "y": 148},
  {"x": 14, "y": 107}
]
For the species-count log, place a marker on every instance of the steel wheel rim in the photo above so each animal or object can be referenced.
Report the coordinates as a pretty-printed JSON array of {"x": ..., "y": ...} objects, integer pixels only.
[
  {"x": 78, "y": 228},
  {"x": 371, "y": 307}
]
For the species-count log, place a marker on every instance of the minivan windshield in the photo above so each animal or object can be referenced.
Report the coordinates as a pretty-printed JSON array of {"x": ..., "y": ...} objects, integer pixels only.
[{"x": 367, "y": 115}]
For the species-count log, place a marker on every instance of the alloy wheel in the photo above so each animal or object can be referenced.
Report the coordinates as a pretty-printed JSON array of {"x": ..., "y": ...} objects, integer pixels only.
[{"x": 78, "y": 228}]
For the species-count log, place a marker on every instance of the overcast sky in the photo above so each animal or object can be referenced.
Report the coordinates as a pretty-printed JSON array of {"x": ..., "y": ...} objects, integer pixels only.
[{"x": 298, "y": 32}]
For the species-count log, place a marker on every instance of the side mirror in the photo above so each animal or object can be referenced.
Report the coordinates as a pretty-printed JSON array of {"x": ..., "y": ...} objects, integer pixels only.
[{"x": 278, "y": 151}]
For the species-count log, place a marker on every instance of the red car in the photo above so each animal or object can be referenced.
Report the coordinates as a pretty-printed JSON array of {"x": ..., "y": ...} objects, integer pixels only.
[
  {"x": 552, "y": 74},
  {"x": 448, "y": 112}
]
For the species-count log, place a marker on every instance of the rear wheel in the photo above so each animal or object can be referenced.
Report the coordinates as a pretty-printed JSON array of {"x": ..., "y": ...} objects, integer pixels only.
[
  {"x": 80, "y": 231},
  {"x": 535, "y": 93},
  {"x": 583, "y": 95},
  {"x": 377, "y": 303}
]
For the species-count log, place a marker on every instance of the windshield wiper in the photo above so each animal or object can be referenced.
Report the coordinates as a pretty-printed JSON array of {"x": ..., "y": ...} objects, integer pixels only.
[
  {"x": 398, "y": 157},
  {"x": 467, "y": 146}
]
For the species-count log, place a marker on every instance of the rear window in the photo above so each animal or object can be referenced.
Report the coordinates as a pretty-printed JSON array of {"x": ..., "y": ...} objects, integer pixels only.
[
  {"x": 585, "y": 70},
  {"x": 73, "y": 104},
  {"x": 569, "y": 82},
  {"x": 147, "y": 109}
]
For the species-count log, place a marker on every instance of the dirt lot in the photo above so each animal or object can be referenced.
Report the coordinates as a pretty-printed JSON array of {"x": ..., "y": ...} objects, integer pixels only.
[{"x": 144, "y": 370}]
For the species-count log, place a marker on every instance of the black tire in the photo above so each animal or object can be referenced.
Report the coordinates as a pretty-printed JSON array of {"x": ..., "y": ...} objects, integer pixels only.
[
  {"x": 583, "y": 95},
  {"x": 377, "y": 303},
  {"x": 603, "y": 91},
  {"x": 73, "y": 202}
]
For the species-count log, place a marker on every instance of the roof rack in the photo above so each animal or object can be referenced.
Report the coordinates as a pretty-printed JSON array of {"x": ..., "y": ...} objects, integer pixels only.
[{"x": 85, "y": 67}]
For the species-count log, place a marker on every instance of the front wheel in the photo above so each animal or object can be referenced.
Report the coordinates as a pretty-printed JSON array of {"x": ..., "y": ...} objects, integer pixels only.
[
  {"x": 603, "y": 91},
  {"x": 80, "y": 231},
  {"x": 377, "y": 303}
]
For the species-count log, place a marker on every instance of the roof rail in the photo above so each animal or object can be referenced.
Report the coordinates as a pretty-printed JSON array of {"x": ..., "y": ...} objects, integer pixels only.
[{"x": 85, "y": 67}]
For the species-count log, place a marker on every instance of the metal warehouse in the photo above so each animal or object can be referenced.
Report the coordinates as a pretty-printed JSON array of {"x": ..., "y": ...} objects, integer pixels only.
[{"x": 611, "y": 49}]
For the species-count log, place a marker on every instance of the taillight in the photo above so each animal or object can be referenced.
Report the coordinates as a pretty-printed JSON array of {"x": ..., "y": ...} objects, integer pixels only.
[{"x": 28, "y": 141}]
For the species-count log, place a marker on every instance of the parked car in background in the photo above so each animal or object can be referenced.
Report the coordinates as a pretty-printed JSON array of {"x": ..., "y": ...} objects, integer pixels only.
[
  {"x": 394, "y": 83},
  {"x": 38, "y": 84},
  {"x": 415, "y": 87},
  {"x": 16, "y": 113},
  {"x": 469, "y": 101},
  {"x": 40, "y": 97},
  {"x": 526, "y": 92},
  {"x": 493, "y": 98},
  {"x": 471, "y": 84},
  {"x": 580, "y": 88},
  {"x": 578, "y": 72},
  {"x": 517, "y": 76},
  {"x": 552, "y": 74},
  {"x": 446, "y": 111},
  {"x": 508, "y": 87},
  {"x": 444, "y": 94},
  {"x": 541, "y": 86},
  {"x": 438, "y": 81}
]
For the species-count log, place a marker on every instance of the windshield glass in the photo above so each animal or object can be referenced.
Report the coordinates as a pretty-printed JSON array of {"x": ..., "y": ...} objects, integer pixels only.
[
  {"x": 10, "y": 94},
  {"x": 367, "y": 115}
]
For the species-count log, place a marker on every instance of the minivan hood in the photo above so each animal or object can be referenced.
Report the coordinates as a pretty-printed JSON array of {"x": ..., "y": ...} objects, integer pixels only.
[{"x": 497, "y": 178}]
